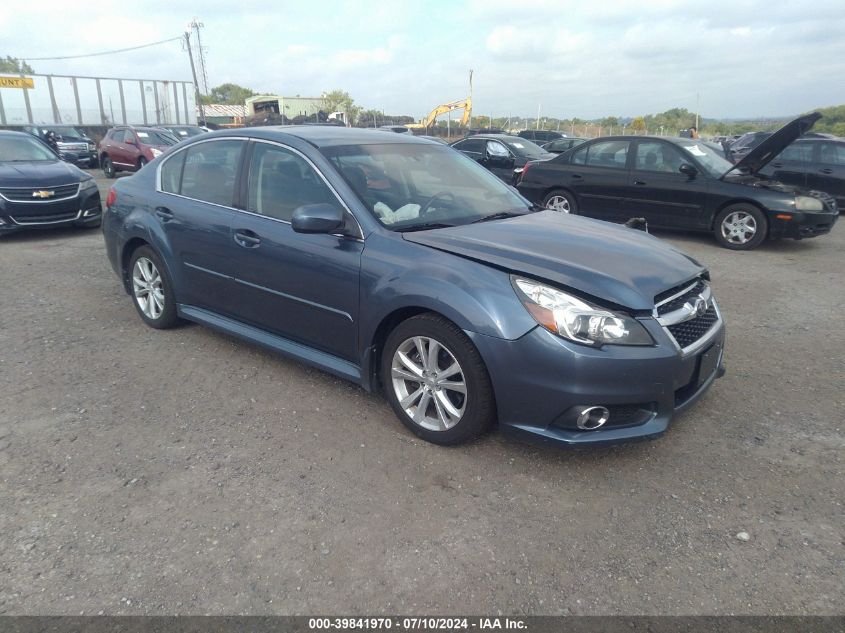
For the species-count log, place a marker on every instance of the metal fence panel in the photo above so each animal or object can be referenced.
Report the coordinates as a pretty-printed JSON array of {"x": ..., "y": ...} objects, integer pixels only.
[{"x": 80, "y": 100}]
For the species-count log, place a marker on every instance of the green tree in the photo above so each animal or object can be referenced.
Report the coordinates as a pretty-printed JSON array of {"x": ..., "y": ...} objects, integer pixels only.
[
  {"x": 229, "y": 94},
  {"x": 14, "y": 65},
  {"x": 340, "y": 101},
  {"x": 638, "y": 125}
]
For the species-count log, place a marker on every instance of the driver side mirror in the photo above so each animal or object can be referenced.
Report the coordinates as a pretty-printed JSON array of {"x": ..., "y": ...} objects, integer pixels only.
[
  {"x": 688, "y": 169},
  {"x": 318, "y": 218}
]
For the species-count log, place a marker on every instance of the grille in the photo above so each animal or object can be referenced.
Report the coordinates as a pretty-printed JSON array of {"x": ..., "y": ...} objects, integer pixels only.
[
  {"x": 629, "y": 414},
  {"x": 678, "y": 302},
  {"x": 45, "y": 218},
  {"x": 24, "y": 194},
  {"x": 689, "y": 332}
]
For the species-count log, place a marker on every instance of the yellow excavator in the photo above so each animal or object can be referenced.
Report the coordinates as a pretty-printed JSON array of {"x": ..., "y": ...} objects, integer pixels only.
[{"x": 461, "y": 104}]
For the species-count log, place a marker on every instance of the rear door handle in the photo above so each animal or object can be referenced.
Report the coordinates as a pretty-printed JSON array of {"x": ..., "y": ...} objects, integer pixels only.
[
  {"x": 826, "y": 171},
  {"x": 247, "y": 238},
  {"x": 577, "y": 176},
  {"x": 639, "y": 182},
  {"x": 164, "y": 214}
]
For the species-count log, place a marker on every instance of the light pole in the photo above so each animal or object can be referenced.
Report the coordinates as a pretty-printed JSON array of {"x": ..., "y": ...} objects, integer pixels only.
[{"x": 194, "y": 74}]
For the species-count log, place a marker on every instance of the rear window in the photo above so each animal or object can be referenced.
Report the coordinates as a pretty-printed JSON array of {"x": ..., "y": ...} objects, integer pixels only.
[{"x": 210, "y": 171}]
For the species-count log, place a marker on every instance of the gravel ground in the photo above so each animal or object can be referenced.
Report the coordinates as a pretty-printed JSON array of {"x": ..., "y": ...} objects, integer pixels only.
[{"x": 151, "y": 472}]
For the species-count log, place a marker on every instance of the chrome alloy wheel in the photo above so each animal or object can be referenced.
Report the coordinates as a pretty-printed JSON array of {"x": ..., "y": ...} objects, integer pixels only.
[
  {"x": 429, "y": 383},
  {"x": 147, "y": 287},
  {"x": 558, "y": 203},
  {"x": 739, "y": 227}
]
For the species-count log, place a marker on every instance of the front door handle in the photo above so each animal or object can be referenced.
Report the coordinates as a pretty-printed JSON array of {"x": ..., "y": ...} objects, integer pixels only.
[
  {"x": 577, "y": 176},
  {"x": 247, "y": 238},
  {"x": 639, "y": 182},
  {"x": 826, "y": 171},
  {"x": 164, "y": 214}
]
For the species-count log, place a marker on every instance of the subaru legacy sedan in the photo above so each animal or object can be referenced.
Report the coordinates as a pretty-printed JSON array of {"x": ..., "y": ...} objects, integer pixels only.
[{"x": 406, "y": 267}]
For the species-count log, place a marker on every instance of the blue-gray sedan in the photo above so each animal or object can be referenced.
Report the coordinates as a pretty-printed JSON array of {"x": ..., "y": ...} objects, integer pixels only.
[{"x": 403, "y": 266}]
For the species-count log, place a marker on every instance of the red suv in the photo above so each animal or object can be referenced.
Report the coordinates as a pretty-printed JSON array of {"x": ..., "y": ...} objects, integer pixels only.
[{"x": 128, "y": 148}]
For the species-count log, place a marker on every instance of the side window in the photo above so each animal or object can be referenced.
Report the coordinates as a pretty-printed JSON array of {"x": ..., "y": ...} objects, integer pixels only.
[
  {"x": 579, "y": 157},
  {"x": 656, "y": 156},
  {"x": 833, "y": 154},
  {"x": 471, "y": 145},
  {"x": 495, "y": 148},
  {"x": 797, "y": 152},
  {"x": 280, "y": 181},
  {"x": 117, "y": 136},
  {"x": 608, "y": 154},
  {"x": 211, "y": 170},
  {"x": 171, "y": 173}
]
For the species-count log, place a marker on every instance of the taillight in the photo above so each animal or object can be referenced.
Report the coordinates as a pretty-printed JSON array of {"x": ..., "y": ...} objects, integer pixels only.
[
  {"x": 524, "y": 171},
  {"x": 111, "y": 198}
]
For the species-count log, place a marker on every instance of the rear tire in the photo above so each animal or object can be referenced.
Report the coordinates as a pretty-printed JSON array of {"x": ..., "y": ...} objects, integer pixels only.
[
  {"x": 562, "y": 201},
  {"x": 740, "y": 227},
  {"x": 108, "y": 167},
  {"x": 151, "y": 289},
  {"x": 141, "y": 162},
  {"x": 436, "y": 381}
]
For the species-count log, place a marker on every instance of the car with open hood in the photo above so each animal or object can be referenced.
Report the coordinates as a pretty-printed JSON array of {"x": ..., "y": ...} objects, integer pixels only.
[
  {"x": 683, "y": 184},
  {"x": 407, "y": 268},
  {"x": 38, "y": 190}
]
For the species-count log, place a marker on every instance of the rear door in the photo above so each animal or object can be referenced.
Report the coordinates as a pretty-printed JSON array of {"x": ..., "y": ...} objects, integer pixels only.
[
  {"x": 301, "y": 286},
  {"x": 598, "y": 174},
  {"x": 660, "y": 193},
  {"x": 828, "y": 173},
  {"x": 195, "y": 211},
  {"x": 118, "y": 151}
]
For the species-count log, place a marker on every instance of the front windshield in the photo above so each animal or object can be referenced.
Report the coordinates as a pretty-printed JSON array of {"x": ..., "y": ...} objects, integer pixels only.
[
  {"x": 408, "y": 186},
  {"x": 22, "y": 149},
  {"x": 526, "y": 149},
  {"x": 713, "y": 162},
  {"x": 150, "y": 137}
]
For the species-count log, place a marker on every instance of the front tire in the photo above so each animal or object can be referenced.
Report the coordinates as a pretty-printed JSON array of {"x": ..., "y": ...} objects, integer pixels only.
[
  {"x": 562, "y": 201},
  {"x": 108, "y": 167},
  {"x": 436, "y": 381},
  {"x": 740, "y": 227},
  {"x": 152, "y": 290}
]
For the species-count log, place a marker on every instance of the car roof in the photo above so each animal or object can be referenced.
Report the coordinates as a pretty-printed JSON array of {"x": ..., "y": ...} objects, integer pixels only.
[
  {"x": 323, "y": 135},
  {"x": 14, "y": 133},
  {"x": 509, "y": 138}
]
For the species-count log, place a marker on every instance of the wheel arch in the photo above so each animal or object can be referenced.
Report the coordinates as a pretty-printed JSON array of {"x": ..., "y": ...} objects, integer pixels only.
[
  {"x": 130, "y": 247},
  {"x": 372, "y": 355}
]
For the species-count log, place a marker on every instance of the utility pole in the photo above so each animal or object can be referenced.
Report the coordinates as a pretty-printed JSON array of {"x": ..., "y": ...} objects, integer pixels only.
[
  {"x": 194, "y": 74},
  {"x": 537, "y": 126},
  {"x": 697, "y": 100},
  {"x": 203, "y": 73}
]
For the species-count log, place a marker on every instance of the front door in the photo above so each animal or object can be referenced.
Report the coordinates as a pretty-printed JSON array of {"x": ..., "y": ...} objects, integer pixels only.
[
  {"x": 498, "y": 159},
  {"x": 792, "y": 164},
  {"x": 828, "y": 173},
  {"x": 301, "y": 286},
  {"x": 660, "y": 193}
]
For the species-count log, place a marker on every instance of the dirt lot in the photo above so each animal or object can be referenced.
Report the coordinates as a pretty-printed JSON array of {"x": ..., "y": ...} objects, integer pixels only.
[{"x": 185, "y": 472}]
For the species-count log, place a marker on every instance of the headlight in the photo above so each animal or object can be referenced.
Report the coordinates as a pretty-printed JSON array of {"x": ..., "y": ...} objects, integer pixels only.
[
  {"x": 155, "y": 152},
  {"x": 806, "y": 203},
  {"x": 87, "y": 185},
  {"x": 576, "y": 320}
]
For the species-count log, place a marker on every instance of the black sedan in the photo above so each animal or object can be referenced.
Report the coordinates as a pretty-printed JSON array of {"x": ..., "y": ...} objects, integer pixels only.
[
  {"x": 815, "y": 162},
  {"x": 39, "y": 190},
  {"x": 502, "y": 154},
  {"x": 678, "y": 183}
]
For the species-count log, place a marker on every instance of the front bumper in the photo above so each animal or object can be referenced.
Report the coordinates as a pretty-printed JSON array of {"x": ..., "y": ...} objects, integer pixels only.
[
  {"x": 540, "y": 378},
  {"x": 82, "y": 210},
  {"x": 802, "y": 224}
]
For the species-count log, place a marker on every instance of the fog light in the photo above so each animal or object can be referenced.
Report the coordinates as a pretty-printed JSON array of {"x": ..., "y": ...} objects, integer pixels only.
[
  {"x": 592, "y": 418},
  {"x": 90, "y": 213}
]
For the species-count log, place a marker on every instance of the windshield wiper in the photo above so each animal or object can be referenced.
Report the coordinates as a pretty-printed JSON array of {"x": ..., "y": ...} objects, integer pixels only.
[
  {"x": 424, "y": 227},
  {"x": 501, "y": 215}
]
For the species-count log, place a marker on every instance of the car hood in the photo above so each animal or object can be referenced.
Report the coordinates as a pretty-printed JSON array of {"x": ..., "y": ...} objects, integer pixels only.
[
  {"x": 760, "y": 156},
  {"x": 609, "y": 262},
  {"x": 38, "y": 174}
]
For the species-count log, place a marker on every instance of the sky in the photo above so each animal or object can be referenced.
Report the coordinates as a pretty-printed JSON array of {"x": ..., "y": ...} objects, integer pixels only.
[{"x": 569, "y": 58}]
